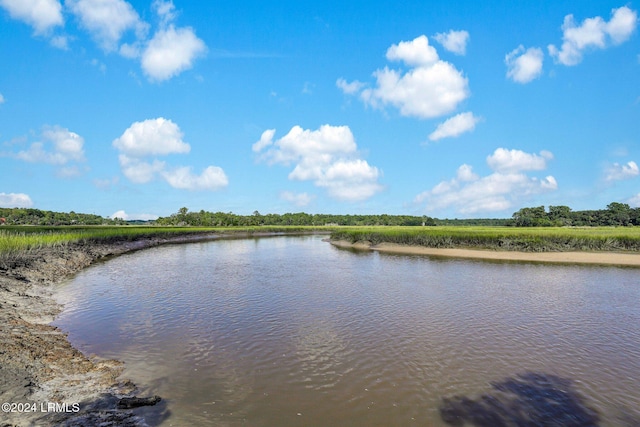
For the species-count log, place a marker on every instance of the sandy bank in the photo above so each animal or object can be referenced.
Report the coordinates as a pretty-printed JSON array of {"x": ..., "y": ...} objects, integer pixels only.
[
  {"x": 38, "y": 365},
  {"x": 605, "y": 258}
]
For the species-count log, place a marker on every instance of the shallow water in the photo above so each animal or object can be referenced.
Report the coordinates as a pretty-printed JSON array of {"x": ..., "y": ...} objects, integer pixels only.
[{"x": 293, "y": 331}]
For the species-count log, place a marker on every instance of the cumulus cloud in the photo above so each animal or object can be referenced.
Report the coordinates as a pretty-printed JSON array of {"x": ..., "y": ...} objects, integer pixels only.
[
  {"x": 15, "y": 200},
  {"x": 42, "y": 15},
  {"x": 57, "y": 146},
  {"x": 107, "y": 20},
  {"x": 327, "y": 157},
  {"x": 143, "y": 142},
  {"x": 455, "y": 126},
  {"x": 167, "y": 53},
  {"x": 165, "y": 10},
  {"x": 523, "y": 65},
  {"x": 593, "y": 33},
  {"x": 349, "y": 88},
  {"x": 266, "y": 139},
  {"x": 139, "y": 171},
  {"x": 298, "y": 199},
  {"x": 170, "y": 52},
  {"x": 469, "y": 193},
  {"x": 129, "y": 217},
  {"x": 212, "y": 178},
  {"x": 503, "y": 160},
  {"x": 415, "y": 52},
  {"x": 634, "y": 201},
  {"x": 350, "y": 180},
  {"x": 430, "y": 88},
  {"x": 454, "y": 41},
  {"x": 158, "y": 136},
  {"x": 617, "y": 172}
]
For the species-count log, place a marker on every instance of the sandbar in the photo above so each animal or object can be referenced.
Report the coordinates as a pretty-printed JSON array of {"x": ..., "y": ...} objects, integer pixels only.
[{"x": 629, "y": 259}]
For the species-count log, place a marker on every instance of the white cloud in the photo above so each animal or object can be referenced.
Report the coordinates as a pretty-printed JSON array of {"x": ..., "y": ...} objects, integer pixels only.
[
  {"x": 310, "y": 150},
  {"x": 129, "y": 217},
  {"x": 431, "y": 88},
  {"x": 593, "y": 33},
  {"x": 350, "y": 180},
  {"x": 107, "y": 20},
  {"x": 327, "y": 157},
  {"x": 454, "y": 41},
  {"x": 455, "y": 126},
  {"x": 266, "y": 139},
  {"x": 59, "y": 146},
  {"x": 524, "y": 66},
  {"x": 298, "y": 199},
  {"x": 416, "y": 52},
  {"x": 618, "y": 172},
  {"x": 120, "y": 214},
  {"x": 465, "y": 173},
  {"x": 139, "y": 171},
  {"x": 1, "y": 99},
  {"x": 634, "y": 201},
  {"x": 212, "y": 178},
  {"x": 349, "y": 88},
  {"x": 15, "y": 200},
  {"x": 622, "y": 24},
  {"x": 503, "y": 160},
  {"x": 469, "y": 193},
  {"x": 42, "y": 15},
  {"x": 170, "y": 52},
  {"x": 165, "y": 11},
  {"x": 158, "y": 136},
  {"x": 142, "y": 142}
]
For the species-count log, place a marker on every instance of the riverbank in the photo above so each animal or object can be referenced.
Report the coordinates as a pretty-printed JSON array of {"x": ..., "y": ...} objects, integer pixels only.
[
  {"x": 569, "y": 257},
  {"x": 49, "y": 381}
]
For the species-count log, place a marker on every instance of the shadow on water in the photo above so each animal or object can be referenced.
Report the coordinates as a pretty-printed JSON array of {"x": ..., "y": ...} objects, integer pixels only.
[
  {"x": 526, "y": 400},
  {"x": 102, "y": 412}
]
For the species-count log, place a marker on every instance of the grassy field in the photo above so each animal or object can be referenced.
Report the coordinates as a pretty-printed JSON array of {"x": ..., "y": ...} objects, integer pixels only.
[
  {"x": 542, "y": 239},
  {"x": 17, "y": 239}
]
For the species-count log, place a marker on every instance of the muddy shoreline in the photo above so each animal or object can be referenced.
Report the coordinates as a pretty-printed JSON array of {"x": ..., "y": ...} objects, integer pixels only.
[
  {"x": 602, "y": 258},
  {"x": 41, "y": 373}
]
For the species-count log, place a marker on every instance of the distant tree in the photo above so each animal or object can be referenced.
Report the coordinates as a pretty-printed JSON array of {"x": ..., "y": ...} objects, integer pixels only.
[
  {"x": 560, "y": 215},
  {"x": 531, "y": 217},
  {"x": 619, "y": 213}
]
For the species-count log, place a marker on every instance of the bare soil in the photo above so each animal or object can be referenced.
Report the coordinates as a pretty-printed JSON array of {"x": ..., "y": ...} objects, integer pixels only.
[
  {"x": 38, "y": 365},
  {"x": 603, "y": 258}
]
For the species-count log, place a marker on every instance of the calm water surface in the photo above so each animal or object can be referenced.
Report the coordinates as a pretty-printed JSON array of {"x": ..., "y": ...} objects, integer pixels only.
[{"x": 293, "y": 331}]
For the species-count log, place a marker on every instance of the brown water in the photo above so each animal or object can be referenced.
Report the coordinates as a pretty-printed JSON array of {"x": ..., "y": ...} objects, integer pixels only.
[{"x": 291, "y": 331}]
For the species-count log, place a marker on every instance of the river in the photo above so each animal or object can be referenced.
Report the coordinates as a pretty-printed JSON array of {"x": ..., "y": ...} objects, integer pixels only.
[{"x": 293, "y": 331}]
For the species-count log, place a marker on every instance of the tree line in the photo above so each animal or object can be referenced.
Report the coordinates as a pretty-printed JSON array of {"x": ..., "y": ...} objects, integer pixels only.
[
  {"x": 29, "y": 216},
  {"x": 616, "y": 214},
  {"x": 221, "y": 219}
]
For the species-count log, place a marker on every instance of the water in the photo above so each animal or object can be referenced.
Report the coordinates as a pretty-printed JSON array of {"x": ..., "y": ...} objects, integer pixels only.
[{"x": 293, "y": 331}]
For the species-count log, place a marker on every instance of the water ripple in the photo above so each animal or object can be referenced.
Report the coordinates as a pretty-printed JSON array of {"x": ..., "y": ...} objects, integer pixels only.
[{"x": 292, "y": 331}]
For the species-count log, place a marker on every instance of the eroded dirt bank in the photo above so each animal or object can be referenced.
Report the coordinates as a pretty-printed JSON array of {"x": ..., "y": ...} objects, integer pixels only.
[{"x": 48, "y": 381}]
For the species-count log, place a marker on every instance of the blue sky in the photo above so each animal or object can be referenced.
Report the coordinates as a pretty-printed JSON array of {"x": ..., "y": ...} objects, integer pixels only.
[{"x": 446, "y": 108}]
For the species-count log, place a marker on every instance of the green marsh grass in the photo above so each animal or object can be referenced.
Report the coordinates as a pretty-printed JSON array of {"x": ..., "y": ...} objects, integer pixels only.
[
  {"x": 20, "y": 239},
  {"x": 16, "y": 240},
  {"x": 547, "y": 239}
]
